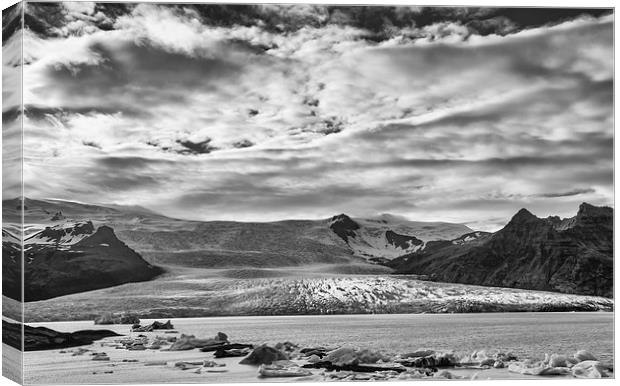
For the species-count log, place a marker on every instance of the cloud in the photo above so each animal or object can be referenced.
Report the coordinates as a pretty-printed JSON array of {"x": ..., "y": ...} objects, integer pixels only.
[
  {"x": 271, "y": 112},
  {"x": 131, "y": 162},
  {"x": 79, "y": 8},
  {"x": 202, "y": 147},
  {"x": 574, "y": 192},
  {"x": 243, "y": 143},
  {"x": 91, "y": 144},
  {"x": 135, "y": 70}
]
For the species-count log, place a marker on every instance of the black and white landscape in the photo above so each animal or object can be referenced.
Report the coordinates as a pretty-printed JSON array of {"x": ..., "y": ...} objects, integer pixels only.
[
  {"x": 295, "y": 267},
  {"x": 431, "y": 170}
]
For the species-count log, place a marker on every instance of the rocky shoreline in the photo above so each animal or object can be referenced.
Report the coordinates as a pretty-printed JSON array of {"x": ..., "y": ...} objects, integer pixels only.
[{"x": 287, "y": 360}]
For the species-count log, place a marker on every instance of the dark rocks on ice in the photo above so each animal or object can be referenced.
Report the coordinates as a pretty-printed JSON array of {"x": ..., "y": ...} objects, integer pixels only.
[
  {"x": 153, "y": 326},
  {"x": 224, "y": 346},
  {"x": 350, "y": 356},
  {"x": 286, "y": 346},
  {"x": 363, "y": 367},
  {"x": 41, "y": 338},
  {"x": 231, "y": 352},
  {"x": 264, "y": 355},
  {"x": 318, "y": 351},
  {"x": 430, "y": 361},
  {"x": 189, "y": 342},
  {"x": 282, "y": 369}
]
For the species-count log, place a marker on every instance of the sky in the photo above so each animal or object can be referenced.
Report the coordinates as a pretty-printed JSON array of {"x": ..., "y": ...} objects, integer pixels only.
[{"x": 266, "y": 112}]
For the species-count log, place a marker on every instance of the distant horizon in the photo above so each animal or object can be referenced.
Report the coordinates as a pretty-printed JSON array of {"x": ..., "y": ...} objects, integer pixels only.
[{"x": 327, "y": 217}]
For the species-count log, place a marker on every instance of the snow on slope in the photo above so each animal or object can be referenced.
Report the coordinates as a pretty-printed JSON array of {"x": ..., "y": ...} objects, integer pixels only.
[
  {"x": 425, "y": 231},
  {"x": 11, "y": 245},
  {"x": 469, "y": 237},
  {"x": 8, "y": 237},
  {"x": 373, "y": 242},
  {"x": 388, "y": 236},
  {"x": 62, "y": 235}
]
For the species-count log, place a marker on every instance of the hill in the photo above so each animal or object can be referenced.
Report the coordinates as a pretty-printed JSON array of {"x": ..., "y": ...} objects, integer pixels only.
[{"x": 71, "y": 258}]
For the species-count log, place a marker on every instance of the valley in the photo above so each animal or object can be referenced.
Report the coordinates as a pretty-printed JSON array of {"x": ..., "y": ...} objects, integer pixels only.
[{"x": 84, "y": 260}]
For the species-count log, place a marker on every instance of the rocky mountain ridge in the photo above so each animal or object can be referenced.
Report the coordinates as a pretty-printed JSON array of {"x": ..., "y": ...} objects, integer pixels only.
[
  {"x": 215, "y": 243},
  {"x": 573, "y": 255},
  {"x": 566, "y": 255},
  {"x": 71, "y": 258}
]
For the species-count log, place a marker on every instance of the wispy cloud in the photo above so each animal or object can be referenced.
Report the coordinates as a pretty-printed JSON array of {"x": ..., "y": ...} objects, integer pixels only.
[
  {"x": 574, "y": 192},
  {"x": 289, "y": 111}
]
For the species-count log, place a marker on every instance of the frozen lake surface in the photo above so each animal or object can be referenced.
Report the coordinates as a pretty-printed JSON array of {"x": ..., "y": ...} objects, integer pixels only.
[
  {"x": 527, "y": 335},
  {"x": 524, "y": 334}
]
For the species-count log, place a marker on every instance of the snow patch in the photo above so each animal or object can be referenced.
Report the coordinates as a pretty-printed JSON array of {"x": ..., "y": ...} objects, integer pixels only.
[
  {"x": 64, "y": 234},
  {"x": 370, "y": 241}
]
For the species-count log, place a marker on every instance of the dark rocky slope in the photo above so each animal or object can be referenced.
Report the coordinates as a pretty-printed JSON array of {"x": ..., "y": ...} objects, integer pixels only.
[
  {"x": 11, "y": 268},
  {"x": 344, "y": 226},
  {"x": 573, "y": 255},
  {"x": 97, "y": 261},
  {"x": 401, "y": 241}
]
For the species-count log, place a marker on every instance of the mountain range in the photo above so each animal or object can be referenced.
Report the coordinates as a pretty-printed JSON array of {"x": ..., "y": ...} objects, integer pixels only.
[
  {"x": 73, "y": 247},
  {"x": 573, "y": 255}
]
